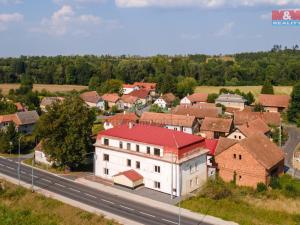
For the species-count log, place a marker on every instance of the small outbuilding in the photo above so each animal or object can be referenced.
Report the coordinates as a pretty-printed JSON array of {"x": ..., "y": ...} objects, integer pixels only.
[{"x": 129, "y": 178}]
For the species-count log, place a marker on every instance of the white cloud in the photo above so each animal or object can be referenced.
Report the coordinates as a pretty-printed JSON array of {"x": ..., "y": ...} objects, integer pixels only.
[
  {"x": 60, "y": 2},
  {"x": 67, "y": 21},
  {"x": 225, "y": 30},
  {"x": 202, "y": 3},
  {"x": 5, "y": 19}
]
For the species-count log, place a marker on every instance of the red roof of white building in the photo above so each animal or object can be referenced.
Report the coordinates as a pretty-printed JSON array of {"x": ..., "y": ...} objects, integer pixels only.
[
  {"x": 131, "y": 175},
  {"x": 211, "y": 145}
]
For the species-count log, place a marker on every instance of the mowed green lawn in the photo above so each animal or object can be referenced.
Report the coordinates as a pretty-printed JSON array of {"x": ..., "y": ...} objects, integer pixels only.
[{"x": 254, "y": 89}]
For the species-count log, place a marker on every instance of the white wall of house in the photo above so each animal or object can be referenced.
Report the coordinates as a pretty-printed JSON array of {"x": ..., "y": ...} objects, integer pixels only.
[
  {"x": 128, "y": 90},
  {"x": 271, "y": 109},
  {"x": 40, "y": 157},
  {"x": 236, "y": 135},
  {"x": 190, "y": 174},
  {"x": 236, "y": 105},
  {"x": 107, "y": 125},
  {"x": 161, "y": 103},
  {"x": 187, "y": 130},
  {"x": 185, "y": 100}
]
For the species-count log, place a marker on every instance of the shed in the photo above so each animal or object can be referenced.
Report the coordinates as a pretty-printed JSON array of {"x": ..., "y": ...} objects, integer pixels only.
[{"x": 129, "y": 178}]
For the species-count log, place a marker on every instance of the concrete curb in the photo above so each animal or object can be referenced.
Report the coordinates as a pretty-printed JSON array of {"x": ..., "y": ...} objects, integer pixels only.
[{"x": 73, "y": 203}]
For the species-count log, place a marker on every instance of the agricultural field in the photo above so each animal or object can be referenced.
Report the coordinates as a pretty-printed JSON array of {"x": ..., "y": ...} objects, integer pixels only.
[
  {"x": 19, "y": 206},
  {"x": 254, "y": 89},
  {"x": 49, "y": 87}
]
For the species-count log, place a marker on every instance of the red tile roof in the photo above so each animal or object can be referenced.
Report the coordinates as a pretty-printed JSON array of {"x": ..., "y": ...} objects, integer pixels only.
[
  {"x": 223, "y": 144},
  {"x": 253, "y": 127},
  {"x": 90, "y": 96},
  {"x": 168, "y": 97},
  {"x": 129, "y": 85},
  {"x": 121, "y": 118},
  {"x": 199, "y": 113},
  {"x": 167, "y": 119},
  {"x": 216, "y": 124},
  {"x": 153, "y": 135},
  {"x": 129, "y": 99},
  {"x": 211, "y": 145},
  {"x": 131, "y": 175},
  {"x": 113, "y": 97},
  {"x": 280, "y": 101},
  {"x": 270, "y": 118},
  {"x": 149, "y": 86},
  {"x": 19, "y": 106},
  {"x": 141, "y": 93},
  {"x": 198, "y": 97}
]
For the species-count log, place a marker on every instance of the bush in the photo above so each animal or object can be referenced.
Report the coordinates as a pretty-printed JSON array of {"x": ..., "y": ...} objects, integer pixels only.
[
  {"x": 216, "y": 189},
  {"x": 290, "y": 190},
  {"x": 261, "y": 187},
  {"x": 274, "y": 183}
]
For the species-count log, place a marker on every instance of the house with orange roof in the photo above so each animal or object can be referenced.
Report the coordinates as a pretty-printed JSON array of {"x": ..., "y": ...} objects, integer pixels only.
[
  {"x": 248, "y": 162},
  {"x": 143, "y": 95},
  {"x": 151, "y": 87},
  {"x": 213, "y": 128},
  {"x": 120, "y": 119},
  {"x": 112, "y": 99},
  {"x": 194, "y": 99},
  {"x": 129, "y": 101},
  {"x": 199, "y": 112},
  {"x": 93, "y": 99},
  {"x": 243, "y": 117},
  {"x": 165, "y": 100},
  {"x": 274, "y": 103},
  {"x": 128, "y": 88}
]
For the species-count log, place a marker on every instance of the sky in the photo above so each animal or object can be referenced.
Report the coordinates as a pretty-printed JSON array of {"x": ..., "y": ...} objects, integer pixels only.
[{"x": 141, "y": 27}]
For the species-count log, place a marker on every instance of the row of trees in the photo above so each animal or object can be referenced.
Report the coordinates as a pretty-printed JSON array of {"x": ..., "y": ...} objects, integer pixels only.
[{"x": 279, "y": 67}]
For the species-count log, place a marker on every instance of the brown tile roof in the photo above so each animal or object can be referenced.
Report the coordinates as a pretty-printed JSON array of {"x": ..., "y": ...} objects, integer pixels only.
[
  {"x": 253, "y": 127},
  {"x": 263, "y": 150},
  {"x": 168, "y": 98},
  {"x": 90, "y": 96},
  {"x": 223, "y": 144},
  {"x": 216, "y": 124},
  {"x": 141, "y": 93},
  {"x": 131, "y": 175},
  {"x": 129, "y": 99},
  {"x": 204, "y": 105},
  {"x": 231, "y": 110},
  {"x": 149, "y": 86},
  {"x": 121, "y": 118},
  {"x": 199, "y": 113},
  {"x": 110, "y": 97},
  {"x": 9, "y": 118},
  {"x": 198, "y": 97},
  {"x": 19, "y": 106},
  {"x": 28, "y": 117},
  {"x": 167, "y": 119},
  {"x": 270, "y": 118},
  {"x": 281, "y": 101}
]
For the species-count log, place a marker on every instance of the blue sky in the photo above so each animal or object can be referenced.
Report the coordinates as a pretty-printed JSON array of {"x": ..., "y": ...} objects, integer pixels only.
[{"x": 141, "y": 27}]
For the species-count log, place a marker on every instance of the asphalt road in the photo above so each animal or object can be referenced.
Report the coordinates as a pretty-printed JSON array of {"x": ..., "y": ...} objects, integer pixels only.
[
  {"x": 291, "y": 144},
  {"x": 114, "y": 204}
]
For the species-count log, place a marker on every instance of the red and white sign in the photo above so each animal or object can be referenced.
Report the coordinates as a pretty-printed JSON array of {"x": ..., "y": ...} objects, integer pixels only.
[{"x": 286, "y": 15}]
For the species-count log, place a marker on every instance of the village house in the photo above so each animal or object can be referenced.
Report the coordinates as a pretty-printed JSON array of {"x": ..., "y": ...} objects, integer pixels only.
[
  {"x": 243, "y": 117},
  {"x": 231, "y": 100},
  {"x": 24, "y": 121},
  {"x": 143, "y": 95},
  {"x": 92, "y": 99},
  {"x": 128, "y": 88},
  {"x": 194, "y": 99},
  {"x": 164, "y": 160},
  {"x": 165, "y": 101},
  {"x": 48, "y": 101},
  {"x": 251, "y": 161},
  {"x": 129, "y": 101},
  {"x": 151, "y": 87},
  {"x": 112, "y": 99},
  {"x": 250, "y": 128},
  {"x": 213, "y": 128},
  {"x": 274, "y": 103},
  {"x": 199, "y": 112},
  {"x": 20, "y": 107},
  {"x": 186, "y": 124},
  {"x": 120, "y": 119}
]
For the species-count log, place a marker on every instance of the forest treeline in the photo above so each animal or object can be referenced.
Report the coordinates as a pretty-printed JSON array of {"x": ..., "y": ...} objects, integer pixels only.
[{"x": 280, "y": 66}]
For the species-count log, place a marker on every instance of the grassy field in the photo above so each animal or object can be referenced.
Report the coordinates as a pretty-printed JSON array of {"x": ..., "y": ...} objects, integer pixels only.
[
  {"x": 19, "y": 206},
  {"x": 247, "y": 206},
  {"x": 254, "y": 89},
  {"x": 49, "y": 87}
]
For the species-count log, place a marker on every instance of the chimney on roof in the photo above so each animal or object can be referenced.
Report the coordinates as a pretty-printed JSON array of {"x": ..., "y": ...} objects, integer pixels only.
[
  {"x": 130, "y": 125},
  {"x": 124, "y": 112}
]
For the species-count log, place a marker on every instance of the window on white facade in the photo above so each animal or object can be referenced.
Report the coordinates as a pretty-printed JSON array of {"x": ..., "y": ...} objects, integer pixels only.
[
  {"x": 120, "y": 144},
  {"x": 128, "y": 146},
  {"x": 128, "y": 162},
  {"x": 137, "y": 165},
  {"x": 137, "y": 148},
  {"x": 106, "y": 157},
  {"x": 235, "y": 137},
  {"x": 157, "y": 151},
  {"x": 240, "y": 137},
  {"x": 157, "y": 169},
  {"x": 105, "y": 171},
  {"x": 148, "y": 150},
  {"x": 106, "y": 141},
  {"x": 157, "y": 184}
]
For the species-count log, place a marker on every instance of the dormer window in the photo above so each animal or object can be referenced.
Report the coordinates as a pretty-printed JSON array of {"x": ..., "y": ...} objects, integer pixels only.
[
  {"x": 106, "y": 141},
  {"x": 157, "y": 151}
]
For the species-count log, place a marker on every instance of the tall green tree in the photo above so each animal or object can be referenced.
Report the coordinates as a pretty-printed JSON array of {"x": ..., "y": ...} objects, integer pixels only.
[
  {"x": 267, "y": 88},
  {"x": 110, "y": 86},
  {"x": 66, "y": 131},
  {"x": 294, "y": 108},
  {"x": 186, "y": 86}
]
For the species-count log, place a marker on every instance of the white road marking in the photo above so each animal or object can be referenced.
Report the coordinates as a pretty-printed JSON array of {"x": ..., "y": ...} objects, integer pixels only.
[
  {"x": 9, "y": 160},
  {"x": 92, "y": 196},
  {"x": 125, "y": 207},
  {"x": 60, "y": 185},
  {"x": 147, "y": 214},
  {"x": 23, "y": 172},
  {"x": 169, "y": 221},
  {"x": 74, "y": 190},
  {"x": 10, "y": 168},
  {"x": 46, "y": 180},
  {"x": 1, "y": 164},
  {"x": 107, "y": 201},
  {"x": 35, "y": 176}
]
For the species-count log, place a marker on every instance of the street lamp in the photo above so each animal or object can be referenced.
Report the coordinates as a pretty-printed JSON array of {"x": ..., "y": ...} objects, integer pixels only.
[{"x": 19, "y": 160}]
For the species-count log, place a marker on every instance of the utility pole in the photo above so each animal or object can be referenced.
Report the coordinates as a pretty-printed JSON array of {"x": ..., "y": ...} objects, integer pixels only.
[{"x": 19, "y": 160}]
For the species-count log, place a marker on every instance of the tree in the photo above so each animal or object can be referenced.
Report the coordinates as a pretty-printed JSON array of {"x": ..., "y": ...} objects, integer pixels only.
[
  {"x": 94, "y": 83},
  {"x": 155, "y": 108},
  {"x": 66, "y": 131},
  {"x": 258, "y": 108},
  {"x": 26, "y": 85},
  {"x": 186, "y": 86},
  {"x": 249, "y": 97},
  {"x": 212, "y": 97},
  {"x": 9, "y": 139},
  {"x": 294, "y": 108},
  {"x": 267, "y": 88},
  {"x": 110, "y": 86}
]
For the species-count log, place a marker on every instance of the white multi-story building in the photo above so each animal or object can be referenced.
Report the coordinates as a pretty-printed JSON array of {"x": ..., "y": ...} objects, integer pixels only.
[{"x": 165, "y": 160}]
